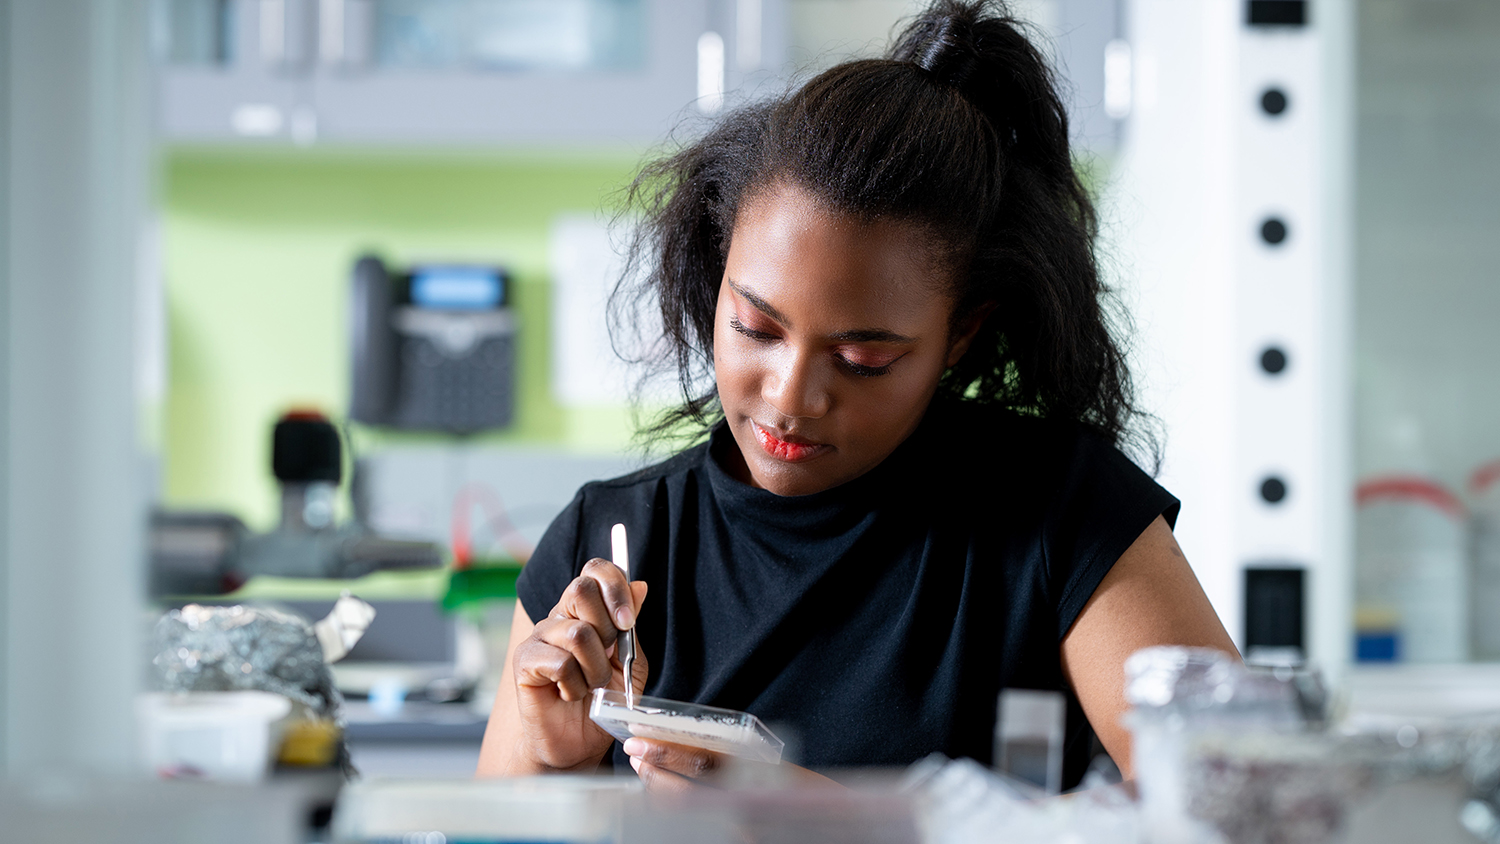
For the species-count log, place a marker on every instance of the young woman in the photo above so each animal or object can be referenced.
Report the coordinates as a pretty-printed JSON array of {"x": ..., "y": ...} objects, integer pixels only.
[{"x": 910, "y": 494}]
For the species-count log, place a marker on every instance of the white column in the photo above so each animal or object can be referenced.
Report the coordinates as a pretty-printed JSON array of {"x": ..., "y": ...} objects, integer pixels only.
[
  {"x": 1203, "y": 166},
  {"x": 76, "y": 105},
  {"x": 1169, "y": 226}
]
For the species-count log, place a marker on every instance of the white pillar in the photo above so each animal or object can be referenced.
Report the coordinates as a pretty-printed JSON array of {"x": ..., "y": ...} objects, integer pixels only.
[
  {"x": 1205, "y": 163},
  {"x": 74, "y": 78},
  {"x": 1168, "y": 219}
]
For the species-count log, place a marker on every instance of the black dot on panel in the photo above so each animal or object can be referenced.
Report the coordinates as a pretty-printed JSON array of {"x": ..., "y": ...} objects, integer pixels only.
[
  {"x": 1273, "y": 360},
  {"x": 1273, "y": 231},
  {"x": 1273, "y": 490},
  {"x": 1273, "y": 101},
  {"x": 1276, "y": 12}
]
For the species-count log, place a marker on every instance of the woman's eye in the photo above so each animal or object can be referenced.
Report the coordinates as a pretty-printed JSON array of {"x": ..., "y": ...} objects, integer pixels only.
[
  {"x": 865, "y": 370},
  {"x": 734, "y": 322}
]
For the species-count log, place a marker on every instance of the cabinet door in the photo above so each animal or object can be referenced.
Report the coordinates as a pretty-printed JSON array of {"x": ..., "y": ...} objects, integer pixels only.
[
  {"x": 249, "y": 82},
  {"x": 523, "y": 105},
  {"x": 448, "y": 72}
]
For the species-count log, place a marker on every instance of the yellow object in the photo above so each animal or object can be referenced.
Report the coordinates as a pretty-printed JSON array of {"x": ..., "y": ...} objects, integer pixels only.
[
  {"x": 1376, "y": 618},
  {"x": 310, "y": 744}
]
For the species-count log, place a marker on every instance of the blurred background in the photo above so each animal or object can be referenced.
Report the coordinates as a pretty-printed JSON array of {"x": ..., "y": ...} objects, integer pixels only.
[{"x": 307, "y": 296}]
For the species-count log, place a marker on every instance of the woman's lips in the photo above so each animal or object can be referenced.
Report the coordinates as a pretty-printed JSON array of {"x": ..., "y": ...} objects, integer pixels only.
[{"x": 793, "y": 449}]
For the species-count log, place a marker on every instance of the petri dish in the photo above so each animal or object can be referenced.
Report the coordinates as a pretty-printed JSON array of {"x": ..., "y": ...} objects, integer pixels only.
[{"x": 721, "y": 730}]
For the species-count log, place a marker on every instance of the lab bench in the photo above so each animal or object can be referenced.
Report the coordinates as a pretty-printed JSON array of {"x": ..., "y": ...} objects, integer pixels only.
[{"x": 424, "y": 741}]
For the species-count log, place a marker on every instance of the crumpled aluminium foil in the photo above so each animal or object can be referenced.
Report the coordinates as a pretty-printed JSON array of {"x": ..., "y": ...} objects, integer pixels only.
[
  {"x": 1277, "y": 788},
  {"x": 1237, "y": 749},
  {"x": 1249, "y": 753},
  {"x": 1206, "y": 686},
  {"x": 209, "y": 649}
]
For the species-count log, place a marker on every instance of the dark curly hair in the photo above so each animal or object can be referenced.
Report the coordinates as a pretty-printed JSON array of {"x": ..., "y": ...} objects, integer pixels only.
[{"x": 959, "y": 130}]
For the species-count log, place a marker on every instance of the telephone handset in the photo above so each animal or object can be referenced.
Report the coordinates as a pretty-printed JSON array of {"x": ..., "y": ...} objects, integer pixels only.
[{"x": 433, "y": 348}]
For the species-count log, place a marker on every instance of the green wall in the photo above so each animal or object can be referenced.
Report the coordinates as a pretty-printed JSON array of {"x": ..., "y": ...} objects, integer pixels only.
[{"x": 257, "y": 250}]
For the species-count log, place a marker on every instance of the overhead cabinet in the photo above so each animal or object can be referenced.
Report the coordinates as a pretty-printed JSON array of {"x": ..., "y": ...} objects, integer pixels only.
[{"x": 453, "y": 71}]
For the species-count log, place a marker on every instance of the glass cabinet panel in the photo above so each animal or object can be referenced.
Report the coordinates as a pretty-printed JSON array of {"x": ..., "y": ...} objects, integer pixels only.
[
  {"x": 511, "y": 34},
  {"x": 195, "y": 32}
]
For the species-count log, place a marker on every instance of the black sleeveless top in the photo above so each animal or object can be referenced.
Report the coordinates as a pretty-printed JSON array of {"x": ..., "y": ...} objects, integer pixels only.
[{"x": 876, "y": 622}]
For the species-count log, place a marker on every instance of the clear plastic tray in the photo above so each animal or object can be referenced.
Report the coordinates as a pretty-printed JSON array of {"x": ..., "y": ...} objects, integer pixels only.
[{"x": 720, "y": 730}]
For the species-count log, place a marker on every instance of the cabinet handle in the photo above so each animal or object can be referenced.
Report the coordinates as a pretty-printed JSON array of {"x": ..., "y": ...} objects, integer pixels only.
[
  {"x": 710, "y": 72},
  {"x": 1117, "y": 84},
  {"x": 747, "y": 34},
  {"x": 272, "y": 32},
  {"x": 331, "y": 38}
]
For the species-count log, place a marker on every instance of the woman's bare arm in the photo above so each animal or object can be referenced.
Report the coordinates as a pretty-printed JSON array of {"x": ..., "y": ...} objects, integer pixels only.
[
  {"x": 497, "y": 756},
  {"x": 540, "y": 721},
  {"x": 1149, "y": 597}
]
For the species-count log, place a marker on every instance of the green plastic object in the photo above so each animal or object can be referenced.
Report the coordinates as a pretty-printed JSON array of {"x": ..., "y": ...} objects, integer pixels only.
[{"x": 486, "y": 580}]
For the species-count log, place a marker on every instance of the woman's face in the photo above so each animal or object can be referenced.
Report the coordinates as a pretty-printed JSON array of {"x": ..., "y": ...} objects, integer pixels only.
[{"x": 830, "y": 337}]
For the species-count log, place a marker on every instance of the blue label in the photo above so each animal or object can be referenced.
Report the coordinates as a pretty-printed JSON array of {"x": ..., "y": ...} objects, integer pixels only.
[
  {"x": 1377, "y": 646},
  {"x": 457, "y": 288}
]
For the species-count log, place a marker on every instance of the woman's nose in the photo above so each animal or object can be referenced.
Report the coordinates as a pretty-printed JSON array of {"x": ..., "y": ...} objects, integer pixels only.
[{"x": 798, "y": 388}]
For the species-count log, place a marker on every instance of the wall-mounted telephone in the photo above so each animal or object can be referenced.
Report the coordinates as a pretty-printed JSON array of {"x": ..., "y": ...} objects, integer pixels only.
[{"x": 433, "y": 347}]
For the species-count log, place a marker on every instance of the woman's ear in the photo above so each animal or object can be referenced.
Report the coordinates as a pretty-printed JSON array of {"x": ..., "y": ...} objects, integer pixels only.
[{"x": 963, "y": 334}]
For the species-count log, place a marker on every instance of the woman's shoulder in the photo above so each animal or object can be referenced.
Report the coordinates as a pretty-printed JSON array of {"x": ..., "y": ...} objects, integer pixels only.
[
  {"x": 1065, "y": 490},
  {"x": 987, "y": 433},
  {"x": 1044, "y": 460}
]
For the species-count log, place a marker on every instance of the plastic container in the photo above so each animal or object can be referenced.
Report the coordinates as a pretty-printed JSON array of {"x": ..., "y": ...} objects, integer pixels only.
[
  {"x": 1484, "y": 519},
  {"x": 720, "y": 730},
  {"x": 1411, "y": 571},
  {"x": 221, "y": 736}
]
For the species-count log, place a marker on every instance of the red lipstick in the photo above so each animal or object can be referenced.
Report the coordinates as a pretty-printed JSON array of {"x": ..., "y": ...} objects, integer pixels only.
[{"x": 787, "y": 447}]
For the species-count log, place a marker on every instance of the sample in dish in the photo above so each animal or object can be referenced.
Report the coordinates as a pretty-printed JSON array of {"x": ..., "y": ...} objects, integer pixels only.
[{"x": 720, "y": 730}]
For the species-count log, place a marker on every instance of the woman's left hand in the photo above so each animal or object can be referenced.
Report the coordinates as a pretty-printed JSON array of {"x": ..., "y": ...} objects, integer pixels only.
[{"x": 667, "y": 767}]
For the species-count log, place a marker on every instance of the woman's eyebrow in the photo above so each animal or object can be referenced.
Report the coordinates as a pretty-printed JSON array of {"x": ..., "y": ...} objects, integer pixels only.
[
  {"x": 760, "y": 304},
  {"x": 857, "y": 335}
]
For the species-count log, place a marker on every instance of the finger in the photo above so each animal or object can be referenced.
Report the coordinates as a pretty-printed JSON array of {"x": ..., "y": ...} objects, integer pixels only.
[
  {"x": 618, "y": 596},
  {"x": 692, "y": 762},
  {"x": 539, "y": 664},
  {"x": 584, "y": 600},
  {"x": 659, "y": 781},
  {"x": 581, "y": 641}
]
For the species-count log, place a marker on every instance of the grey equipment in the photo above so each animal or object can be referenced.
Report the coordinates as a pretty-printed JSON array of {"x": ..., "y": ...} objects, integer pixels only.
[{"x": 208, "y": 553}]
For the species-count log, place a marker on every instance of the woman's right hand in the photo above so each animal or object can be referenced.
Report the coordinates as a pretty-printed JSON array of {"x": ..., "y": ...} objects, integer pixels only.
[{"x": 568, "y": 655}]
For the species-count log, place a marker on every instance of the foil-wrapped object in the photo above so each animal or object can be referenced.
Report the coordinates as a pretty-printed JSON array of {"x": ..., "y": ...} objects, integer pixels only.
[
  {"x": 206, "y": 649},
  {"x": 1230, "y": 754},
  {"x": 1208, "y": 686},
  {"x": 1275, "y": 788}
]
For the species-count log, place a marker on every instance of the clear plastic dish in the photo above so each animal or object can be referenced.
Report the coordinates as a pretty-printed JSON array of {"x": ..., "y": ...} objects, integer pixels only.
[{"x": 720, "y": 730}]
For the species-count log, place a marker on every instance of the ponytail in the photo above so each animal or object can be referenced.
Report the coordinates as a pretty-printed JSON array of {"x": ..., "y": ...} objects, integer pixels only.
[{"x": 988, "y": 58}]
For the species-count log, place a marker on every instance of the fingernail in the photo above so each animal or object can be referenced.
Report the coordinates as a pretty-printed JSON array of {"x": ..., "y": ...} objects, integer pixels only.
[
  {"x": 635, "y": 748},
  {"x": 635, "y": 763},
  {"x": 625, "y": 618}
]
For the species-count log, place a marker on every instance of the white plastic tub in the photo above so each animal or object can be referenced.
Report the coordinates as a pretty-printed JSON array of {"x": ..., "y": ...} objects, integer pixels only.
[{"x": 221, "y": 736}]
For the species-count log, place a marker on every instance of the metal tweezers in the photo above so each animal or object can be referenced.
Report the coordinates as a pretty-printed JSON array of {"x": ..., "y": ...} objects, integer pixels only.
[{"x": 626, "y": 639}]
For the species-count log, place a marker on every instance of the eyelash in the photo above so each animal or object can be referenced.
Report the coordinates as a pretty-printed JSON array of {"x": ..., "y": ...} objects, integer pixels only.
[
  {"x": 858, "y": 370},
  {"x": 734, "y": 322}
]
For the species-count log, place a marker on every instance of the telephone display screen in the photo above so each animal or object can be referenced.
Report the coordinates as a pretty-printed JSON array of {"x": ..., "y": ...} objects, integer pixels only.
[{"x": 457, "y": 288}]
